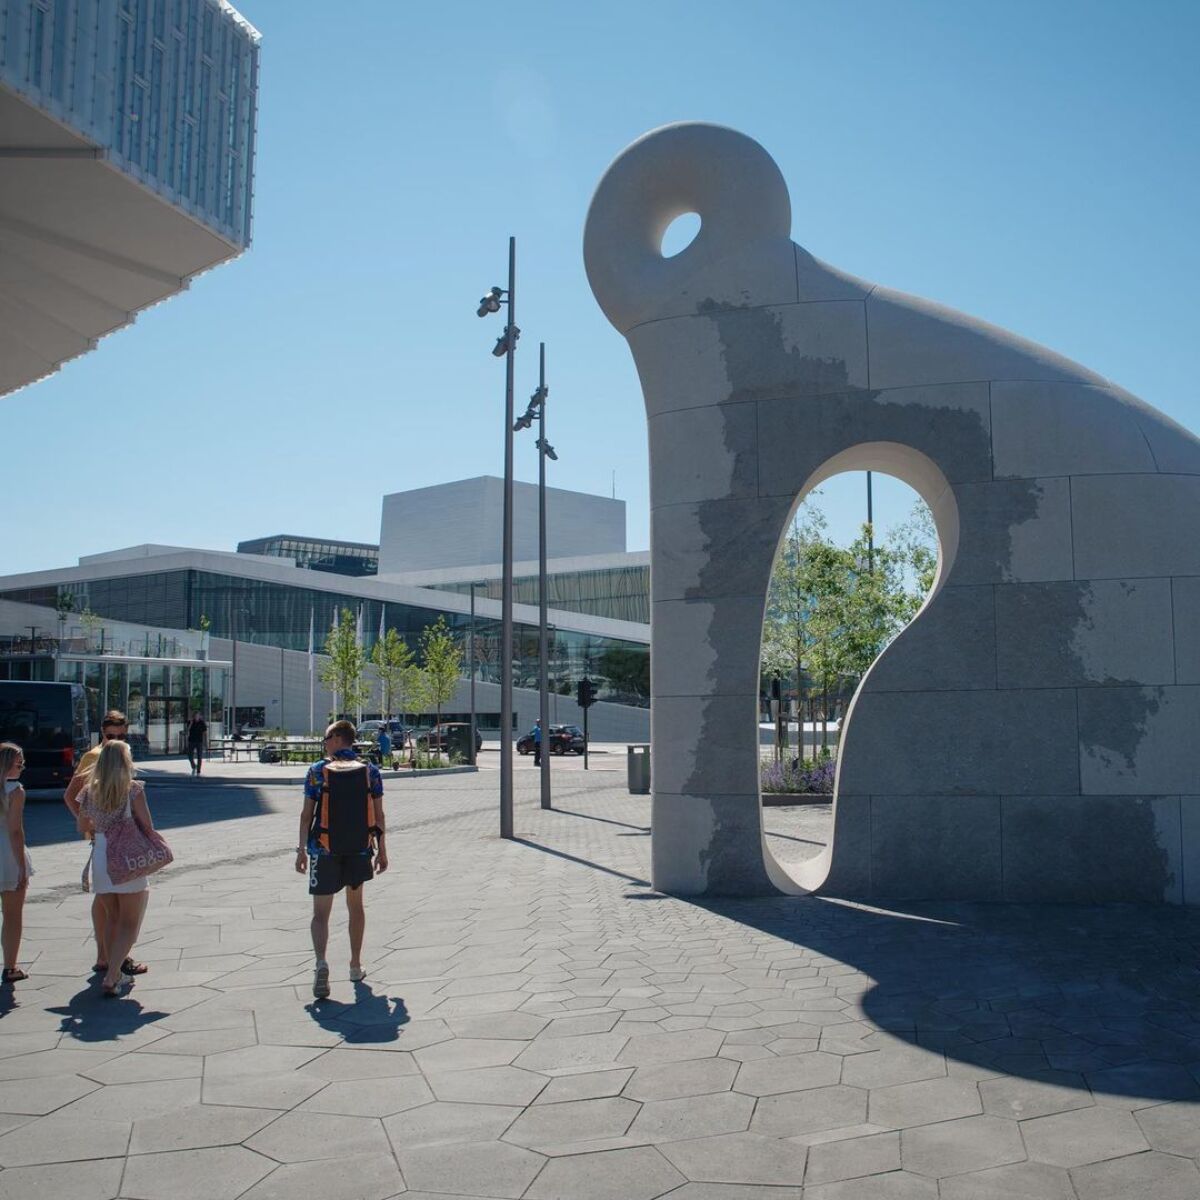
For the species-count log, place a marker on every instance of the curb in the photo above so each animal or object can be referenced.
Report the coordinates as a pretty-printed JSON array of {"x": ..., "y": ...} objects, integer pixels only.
[{"x": 787, "y": 799}]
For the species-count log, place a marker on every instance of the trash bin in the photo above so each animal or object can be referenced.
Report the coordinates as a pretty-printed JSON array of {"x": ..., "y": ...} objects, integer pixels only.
[{"x": 637, "y": 760}]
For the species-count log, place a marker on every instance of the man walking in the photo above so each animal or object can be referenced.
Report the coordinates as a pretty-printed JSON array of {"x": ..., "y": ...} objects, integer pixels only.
[
  {"x": 537, "y": 742},
  {"x": 197, "y": 741},
  {"x": 341, "y": 832}
]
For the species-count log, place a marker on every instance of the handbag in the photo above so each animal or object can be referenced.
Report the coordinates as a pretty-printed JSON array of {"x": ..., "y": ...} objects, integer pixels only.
[{"x": 132, "y": 852}]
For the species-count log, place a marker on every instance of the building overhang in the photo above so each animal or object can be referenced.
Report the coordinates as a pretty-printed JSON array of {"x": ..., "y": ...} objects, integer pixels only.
[{"x": 84, "y": 246}]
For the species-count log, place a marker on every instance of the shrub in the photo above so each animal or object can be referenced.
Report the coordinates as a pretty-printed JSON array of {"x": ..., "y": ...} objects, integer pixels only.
[{"x": 807, "y": 777}]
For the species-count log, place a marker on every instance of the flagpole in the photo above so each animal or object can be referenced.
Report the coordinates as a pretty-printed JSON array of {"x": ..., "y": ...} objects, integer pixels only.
[{"x": 312, "y": 724}]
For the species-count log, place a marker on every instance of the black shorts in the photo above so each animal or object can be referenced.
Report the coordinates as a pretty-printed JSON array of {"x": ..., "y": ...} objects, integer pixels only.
[{"x": 329, "y": 873}]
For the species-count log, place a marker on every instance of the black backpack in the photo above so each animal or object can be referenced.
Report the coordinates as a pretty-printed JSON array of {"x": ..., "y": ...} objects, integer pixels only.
[{"x": 345, "y": 818}]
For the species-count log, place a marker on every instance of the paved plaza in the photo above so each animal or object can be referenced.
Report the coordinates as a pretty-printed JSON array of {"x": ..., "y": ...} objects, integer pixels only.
[{"x": 537, "y": 1022}]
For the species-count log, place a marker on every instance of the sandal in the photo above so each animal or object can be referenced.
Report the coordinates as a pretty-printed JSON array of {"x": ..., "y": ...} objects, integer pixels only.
[
  {"x": 99, "y": 968},
  {"x": 129, "y": 967},
  {"x": 111, "y": 992},
  {"x": 14, "y": 975}
]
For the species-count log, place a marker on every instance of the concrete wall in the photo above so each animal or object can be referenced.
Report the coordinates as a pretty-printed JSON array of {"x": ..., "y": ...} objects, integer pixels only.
[
  {"x": 460, "y": 525},
  {"x": 258, "y": 670},
  {"x": 1032, "y": 734}
]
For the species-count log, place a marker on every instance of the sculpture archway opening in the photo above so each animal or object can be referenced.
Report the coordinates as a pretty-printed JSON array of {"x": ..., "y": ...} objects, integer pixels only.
[
  {"x": 1054, "y": 671},
  {"x": 920, "y": 474}
]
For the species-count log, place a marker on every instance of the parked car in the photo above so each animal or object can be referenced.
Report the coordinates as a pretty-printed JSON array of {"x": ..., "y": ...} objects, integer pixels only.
[
  {"x": 563, "y": 739},
  {"x": 449, "y": 735}
]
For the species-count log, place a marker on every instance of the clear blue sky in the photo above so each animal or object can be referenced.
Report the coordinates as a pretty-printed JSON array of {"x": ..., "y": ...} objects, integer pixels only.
[{"x": 1034, "y": 164}]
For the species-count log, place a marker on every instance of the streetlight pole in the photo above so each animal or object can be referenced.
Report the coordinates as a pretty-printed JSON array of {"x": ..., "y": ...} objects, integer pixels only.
[
  {"x": 506, "y": 348},
  {"x": 537, "y": 408},
  {"x": 471, "y": 668},
  {"x": 543, "y": 649},
  {"x": 870, "y": 529}
]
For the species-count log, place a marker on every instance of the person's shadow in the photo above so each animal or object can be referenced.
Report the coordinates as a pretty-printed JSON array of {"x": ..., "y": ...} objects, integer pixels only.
[
  {"x": 90, "y": 1016},
  {"x": 371, "y": 1020}
]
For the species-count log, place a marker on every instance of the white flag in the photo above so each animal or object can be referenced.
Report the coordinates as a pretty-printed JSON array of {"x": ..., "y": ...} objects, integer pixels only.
[{"x": 382, "y": 629}]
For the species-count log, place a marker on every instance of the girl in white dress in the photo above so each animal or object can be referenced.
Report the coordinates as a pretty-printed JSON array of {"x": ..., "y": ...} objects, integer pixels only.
[
  {"x": 112, "y": 795},
  {"x": 15, "y": 865}
]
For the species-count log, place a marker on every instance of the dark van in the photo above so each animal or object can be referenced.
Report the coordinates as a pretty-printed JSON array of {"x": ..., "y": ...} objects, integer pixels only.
[{"x": 49, "y": 722}]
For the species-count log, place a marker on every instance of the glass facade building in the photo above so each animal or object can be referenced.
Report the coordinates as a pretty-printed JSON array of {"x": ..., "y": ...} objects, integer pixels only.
[
  {"x": 166, "y": 88},
  {"x": 620, "y": 593},
  {"x": 339, "y": 558},
  {"x": 271, "y": 613}
]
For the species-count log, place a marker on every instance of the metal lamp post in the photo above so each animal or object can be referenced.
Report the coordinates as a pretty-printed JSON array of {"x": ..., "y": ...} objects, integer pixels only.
[
  {"x": 537, "y": 408},
  {"x": 471, "y": 669},
  {"x": 506, "y": 346}
]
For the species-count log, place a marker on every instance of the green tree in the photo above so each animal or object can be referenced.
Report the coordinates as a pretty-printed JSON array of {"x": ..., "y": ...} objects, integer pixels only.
[
  {"x": 345, "y": 672},
  {"x": 627, "y": 670},
  {"x": 398, "y": 672},
  {"x": 441, "y": 666}
]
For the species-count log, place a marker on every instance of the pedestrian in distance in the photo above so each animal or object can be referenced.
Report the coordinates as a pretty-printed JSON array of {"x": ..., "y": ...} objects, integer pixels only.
[
  {"x": 342, "y": 843},
  {"x": 197, "y": 741},
  {"x": 112, "y": 796},
  {"x": 113, "y": 727},
  {"x": 385, "y": 748},
  {"x": 15, "y": 864},
  {"x": 537, "y": 742}
]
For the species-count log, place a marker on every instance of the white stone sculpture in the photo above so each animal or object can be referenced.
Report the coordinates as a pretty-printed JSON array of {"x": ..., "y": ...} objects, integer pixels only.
[{"x": 1034, "y": 734}]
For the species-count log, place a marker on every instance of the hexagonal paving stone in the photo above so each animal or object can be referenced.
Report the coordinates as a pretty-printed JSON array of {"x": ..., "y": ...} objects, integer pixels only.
[
  {"x": 1155, "y": 1176},
  {"x": 739, "y": 1158},
  {"x": 465, "y": 1054},
  {"x": 375, "y": 1177},
  {"x": 883, "y": 1068},
  {"x": 794, "y": 1114},
  {"x": 671, "y": 1081},
  {"x": 304, "y": 1136},
  {"x": 1086, "y": 1135},
  {"x": 693, "y": 1117},
  {"x": 905, "y": 1105},
  {"x": 671, "y": 1047},
  {"x": 488, "y": 1085},
  {"x": 1025, "y": 1098},
  {"x": 589, "y": 1049},
  {"x": 133, "y": 1101},
  {"x": 197, "y": 1127},
  {"x": 953, "y": 1147},
  {"x": 477, "y": 1169},
  {"x": 1174, "y": 1128},
  {"x": 78, "y": 1181},
  {"x": 1137, "y": 1085},
  {"x": 439, "y": 1124},
  {"x": 57, "y": 1139},
  {"x": 639, "y": 1173},
  {"x": 370, "y": 1097},
  {"x": 733, "y": 1191},
  {"x": 547, "y": 1125},
  {"x": 37, "y": 1097},
  {"x": 338, "y": 1065},
  {"x": 771, "y": 1076},
  {"x": 1018, "y": 1181},
  {"x": 895, "y": 1185},
  {"x": 587, "y": 1085},
  {"x": 853, "y": 1158},
  {"x": 220, "y": 1174}
]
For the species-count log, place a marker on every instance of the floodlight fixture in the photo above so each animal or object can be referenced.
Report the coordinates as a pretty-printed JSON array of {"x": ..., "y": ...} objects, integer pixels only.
[
  {"x": 490, "y": 302},
  {"x": 547, "y": 449},
  {"x": 501, "y": 348}
]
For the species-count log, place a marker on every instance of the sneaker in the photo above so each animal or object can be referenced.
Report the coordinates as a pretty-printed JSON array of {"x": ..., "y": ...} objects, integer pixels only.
[
  {"x": 358, "y": 974},
  {"x": 321, "y": 981}
]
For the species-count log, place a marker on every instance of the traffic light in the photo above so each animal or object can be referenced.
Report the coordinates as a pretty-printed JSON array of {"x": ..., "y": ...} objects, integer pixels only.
[{"x": 585, "y": 693}]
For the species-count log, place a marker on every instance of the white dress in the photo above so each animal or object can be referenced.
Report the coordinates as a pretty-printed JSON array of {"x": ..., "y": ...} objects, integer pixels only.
[
  {"x": 8, "y": 859},
  {"x": 101, "y": 883}
]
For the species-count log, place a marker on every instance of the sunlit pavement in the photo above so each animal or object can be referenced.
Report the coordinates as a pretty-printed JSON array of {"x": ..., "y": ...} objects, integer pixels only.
[{"x": 537, "y": 1022}]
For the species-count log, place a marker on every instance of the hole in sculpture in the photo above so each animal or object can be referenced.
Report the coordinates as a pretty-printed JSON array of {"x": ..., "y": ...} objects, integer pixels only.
[
  {"x": 680, "y": 234},
  {"x": 841, "y": 590}
]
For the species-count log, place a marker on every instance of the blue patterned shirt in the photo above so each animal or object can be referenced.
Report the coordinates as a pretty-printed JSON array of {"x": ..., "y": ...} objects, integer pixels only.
[{"x": 314, "y": 778}]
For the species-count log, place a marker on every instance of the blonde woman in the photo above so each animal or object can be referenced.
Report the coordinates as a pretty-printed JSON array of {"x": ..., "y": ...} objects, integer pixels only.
[
  {"x": 112, "y": 795},
  {"x": 15, "y": 866}
]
